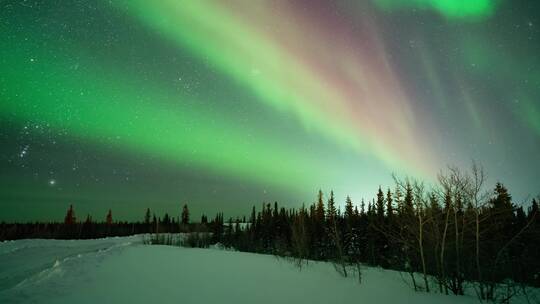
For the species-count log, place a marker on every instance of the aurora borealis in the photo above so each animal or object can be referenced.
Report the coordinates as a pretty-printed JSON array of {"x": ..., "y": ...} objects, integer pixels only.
[{"x": 128, "y": 104}]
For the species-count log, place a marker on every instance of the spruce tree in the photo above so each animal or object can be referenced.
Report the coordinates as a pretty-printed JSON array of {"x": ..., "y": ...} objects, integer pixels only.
[
  {"x": 185, "y": 215},
  {"x": 166, "y": 220},
  {"x": 319, "y": 210},
  {"x": 253, "y": 216},
  {"x": 503, "y": 209},
  {"x": 408, "y": 204},
  {"x": 398, "y": 200},
  {"x": 109, "y": 219},
  {"x": 331, "y": 210},
  {"x": 147, "y": 217},
  {"x": 154, "y": 223},
  {"x": 521, "y": 219},
  {"x": 349, "y": 211},
  {"x": 380, "y": 206},
  {"x": 533, "y": 210},
  {"x": 389, "y": 206},
  {"x": 70, "y": 216}
]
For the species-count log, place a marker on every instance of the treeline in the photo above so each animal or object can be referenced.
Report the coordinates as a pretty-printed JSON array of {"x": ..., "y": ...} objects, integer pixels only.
[
  {"x": 89, "y": 228},
  {"x": 444, "y": 238}
]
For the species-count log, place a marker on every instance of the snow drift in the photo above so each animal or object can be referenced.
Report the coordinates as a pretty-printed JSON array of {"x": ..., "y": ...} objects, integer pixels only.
[{"x": 123, "y": 270}]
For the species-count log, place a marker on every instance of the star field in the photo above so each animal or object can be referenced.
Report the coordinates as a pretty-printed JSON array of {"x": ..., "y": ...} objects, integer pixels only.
[{"x": 222, "y": 105}]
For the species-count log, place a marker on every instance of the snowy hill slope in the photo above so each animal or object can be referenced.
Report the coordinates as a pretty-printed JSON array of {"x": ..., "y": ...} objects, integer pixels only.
[{"x": 122, "y": 270}]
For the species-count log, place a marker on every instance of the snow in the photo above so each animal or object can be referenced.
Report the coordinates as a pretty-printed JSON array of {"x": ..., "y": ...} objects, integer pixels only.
[{"x": 123, "y": 270}]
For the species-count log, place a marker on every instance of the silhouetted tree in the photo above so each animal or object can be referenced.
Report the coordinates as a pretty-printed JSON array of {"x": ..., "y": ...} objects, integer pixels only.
[
  {"x": 109, "y": 219},
  {"x": 185, "y": 215},
  {"x": 147, "y": 217},
  {"x": 70, "y": 216}
]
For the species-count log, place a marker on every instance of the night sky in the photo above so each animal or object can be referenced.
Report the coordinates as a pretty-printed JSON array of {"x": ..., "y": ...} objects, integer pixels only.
[{"x": 128, "y": 104}]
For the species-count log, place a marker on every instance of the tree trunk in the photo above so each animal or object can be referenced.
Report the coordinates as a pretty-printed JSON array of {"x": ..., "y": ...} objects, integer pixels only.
[
  {"x": 443, "y": 246},
  {"x": 479, "y": 270},
  {"x": 421, "y": 245},
  {"x": 458, "y": 266}
]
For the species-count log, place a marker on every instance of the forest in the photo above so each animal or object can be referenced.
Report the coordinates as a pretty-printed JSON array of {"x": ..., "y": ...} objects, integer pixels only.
[{"x": 442, "y": 237}]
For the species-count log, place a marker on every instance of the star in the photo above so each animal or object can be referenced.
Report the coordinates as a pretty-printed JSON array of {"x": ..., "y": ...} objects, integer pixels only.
[
  {"x": 52, "y": 182},
  {"x": 23, "y": 152}
]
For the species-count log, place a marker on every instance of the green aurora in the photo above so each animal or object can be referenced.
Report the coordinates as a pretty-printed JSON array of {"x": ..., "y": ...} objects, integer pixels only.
[{"x": 133, "y": 104}]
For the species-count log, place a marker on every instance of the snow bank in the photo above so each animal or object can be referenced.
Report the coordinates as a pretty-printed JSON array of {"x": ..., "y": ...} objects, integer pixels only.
[{"x": 123, "y": 270}]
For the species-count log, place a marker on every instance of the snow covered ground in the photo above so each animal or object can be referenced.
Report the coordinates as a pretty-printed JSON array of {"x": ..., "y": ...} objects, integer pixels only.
[{"x": 123, "y": 270}]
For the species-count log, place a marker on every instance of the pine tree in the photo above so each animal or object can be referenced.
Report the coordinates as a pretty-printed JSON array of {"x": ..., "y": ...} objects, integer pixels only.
[
  {"x": 349, "y": 211},
  {"x": 331, "y": 210},
  {"x": 380, "y": 206},
  {"x": 319, "y": 210},
  {"x": 521, "y": 218},
  {"x": 147, "y": 217},
  {"x": 533, "y": 210},
  {"x": 166, "y": 220},
  {"x": 185, "y": 215},
  {"x": 408, "y": 204},
  {"x": 503, "y": 209},
  {"x": 398, "y": 200},
  {"x": 253, "y": 216},
  {"x": 389, "y": 206},
  {"x": 155, "y": 224},
  {"x": 70, "y": 216},
  {"x": 217, "y": 228},
  {"x": 109, "y": 218},
  {"x": 86, "y": 228}
]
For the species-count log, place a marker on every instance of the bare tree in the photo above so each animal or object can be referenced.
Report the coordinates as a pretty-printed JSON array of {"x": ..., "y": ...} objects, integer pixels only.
[
  {"x": 420, "y": 203},
  {"x": 478, "y": 196},
  {"x": 455, "y": 185},
  {"x": 412, "y": 224}
]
